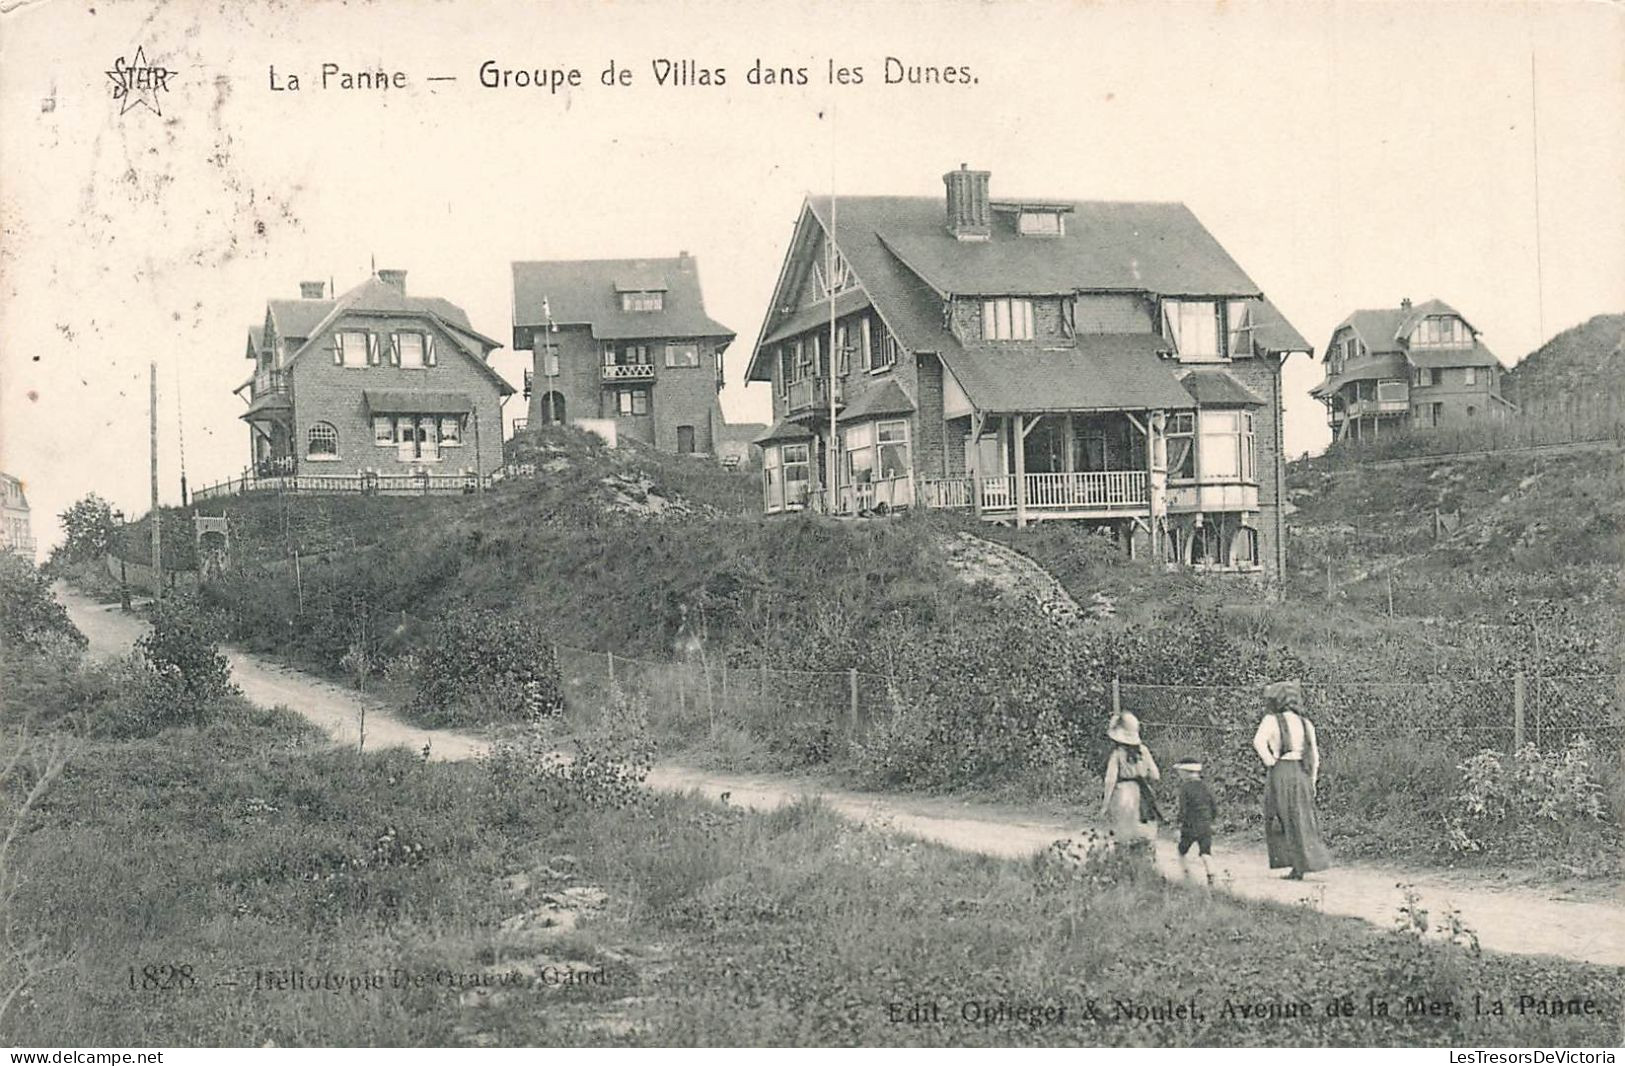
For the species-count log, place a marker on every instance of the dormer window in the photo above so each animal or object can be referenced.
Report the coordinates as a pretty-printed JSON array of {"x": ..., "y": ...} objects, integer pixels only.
[
  {"x": 1007, "y": 320},
  {"x": 1194, "y": 327},
  {"x": 1040, "y": 224},
  {"x": 643, "y": 300},
  {"x": 1441, "y": 331}
]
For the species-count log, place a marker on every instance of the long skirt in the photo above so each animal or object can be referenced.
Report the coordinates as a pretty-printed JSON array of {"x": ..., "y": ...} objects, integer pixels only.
[
  {"x": 1291, "y": 827},
  {"x": 1128, "y": 813}
]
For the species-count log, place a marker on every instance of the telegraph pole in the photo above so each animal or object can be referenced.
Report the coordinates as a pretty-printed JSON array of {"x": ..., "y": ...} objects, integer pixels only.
[{"x": 157, "y": 524}]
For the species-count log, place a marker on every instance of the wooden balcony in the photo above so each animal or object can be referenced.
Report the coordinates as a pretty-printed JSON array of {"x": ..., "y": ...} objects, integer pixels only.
[
  {"x": 1082, "y": 494},
  {"x": 619, "y": 372},
  {"x": 810, "y": 395},
  {"x": 270, "y": 383}
]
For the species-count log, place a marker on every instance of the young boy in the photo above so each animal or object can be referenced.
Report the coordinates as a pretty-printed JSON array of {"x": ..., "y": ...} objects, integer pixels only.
[{"x": 1196, "y": 811}]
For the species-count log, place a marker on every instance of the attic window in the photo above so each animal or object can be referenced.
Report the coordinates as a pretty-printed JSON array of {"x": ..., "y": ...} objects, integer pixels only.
[
  {"x": 1040, "y": 224},
  {"x": 831, "y": 278},
  {"x": 643, "y": 300},
  {"x": 1441, "y": 331}
]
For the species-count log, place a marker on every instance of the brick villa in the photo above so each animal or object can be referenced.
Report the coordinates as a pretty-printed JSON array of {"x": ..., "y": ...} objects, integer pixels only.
[{"x": 1028, "y": 359}]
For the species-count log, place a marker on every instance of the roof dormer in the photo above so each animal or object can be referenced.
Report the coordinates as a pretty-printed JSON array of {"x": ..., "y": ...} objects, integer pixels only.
[
  {"x": 645, "y": 296},
  {"x": 1035, "y": 218}
]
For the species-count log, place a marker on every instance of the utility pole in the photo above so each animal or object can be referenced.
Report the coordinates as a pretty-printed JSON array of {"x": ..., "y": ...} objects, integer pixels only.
[
  {"x": 157, "y": 524},
  {"x": 834, "y": 449}
]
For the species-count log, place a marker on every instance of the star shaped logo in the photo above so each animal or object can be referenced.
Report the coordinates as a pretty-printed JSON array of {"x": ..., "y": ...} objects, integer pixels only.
[{"x": 138, "y": 83}]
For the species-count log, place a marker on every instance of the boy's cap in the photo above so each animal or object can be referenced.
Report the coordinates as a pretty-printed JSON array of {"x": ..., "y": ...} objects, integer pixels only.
[{"x": 1192, "y": 764}]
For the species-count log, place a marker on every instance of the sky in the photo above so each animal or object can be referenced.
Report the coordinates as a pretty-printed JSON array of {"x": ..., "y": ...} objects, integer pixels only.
[{"x": 1346, "y": 155}]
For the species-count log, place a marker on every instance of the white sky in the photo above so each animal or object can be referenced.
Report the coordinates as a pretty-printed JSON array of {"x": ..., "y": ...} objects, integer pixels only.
[{"x": 1346, "y": 155}]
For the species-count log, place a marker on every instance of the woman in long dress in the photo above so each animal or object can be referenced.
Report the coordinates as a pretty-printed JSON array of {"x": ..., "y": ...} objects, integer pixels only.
[
  {"x": 1129, "y": 806},
  {"x": 1287, "y": 745}
]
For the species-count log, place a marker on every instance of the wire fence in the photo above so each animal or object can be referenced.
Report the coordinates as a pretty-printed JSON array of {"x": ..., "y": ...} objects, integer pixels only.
[{"x": 812, "y": 713}]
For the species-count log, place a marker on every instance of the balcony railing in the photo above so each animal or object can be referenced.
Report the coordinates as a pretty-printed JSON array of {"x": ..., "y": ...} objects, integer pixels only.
[
  {"x": 270, "y": 383},
  {"x": 1082, "y": 491},
  {"x": 629, "y": 372},
  {"x": 811, "y": 394}
]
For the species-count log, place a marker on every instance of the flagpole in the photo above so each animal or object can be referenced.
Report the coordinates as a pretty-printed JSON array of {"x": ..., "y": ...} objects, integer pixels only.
[{"x": 834, "y": 356}]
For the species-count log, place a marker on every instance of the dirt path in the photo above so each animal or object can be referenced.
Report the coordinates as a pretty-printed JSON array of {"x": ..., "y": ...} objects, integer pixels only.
[{"x": 1516, "y": 920}]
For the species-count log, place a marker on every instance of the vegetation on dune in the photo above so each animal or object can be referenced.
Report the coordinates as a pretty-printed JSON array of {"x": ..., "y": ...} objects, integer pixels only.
[{"x": 235, "y": 884}]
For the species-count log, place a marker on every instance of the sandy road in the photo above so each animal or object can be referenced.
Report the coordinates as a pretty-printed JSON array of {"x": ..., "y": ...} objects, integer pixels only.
[{"x": 1515, "y": 920}]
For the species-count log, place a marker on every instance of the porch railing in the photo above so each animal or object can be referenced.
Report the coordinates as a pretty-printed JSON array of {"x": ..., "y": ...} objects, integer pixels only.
[
  {"x": 1079, "y": 491},
  {"x": 629, "y": 372},
  {"x": 269, "y": 383}
]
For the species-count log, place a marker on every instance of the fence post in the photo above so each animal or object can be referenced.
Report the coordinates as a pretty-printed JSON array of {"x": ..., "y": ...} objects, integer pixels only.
[
  {"x": 1117, "y": 697},
  {"x": 852, "y": 699},
  {"x": 1517, "y": 710},
  {"x": 610, "y": 656}
]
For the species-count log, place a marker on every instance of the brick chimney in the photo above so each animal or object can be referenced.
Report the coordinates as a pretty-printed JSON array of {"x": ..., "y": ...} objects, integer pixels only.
[
  {"x": 396, "y": 278},
  {"x": 312, "y": 290},
  {"x": 1405, "y": 304},
  {"x": 969, "y": 218}
]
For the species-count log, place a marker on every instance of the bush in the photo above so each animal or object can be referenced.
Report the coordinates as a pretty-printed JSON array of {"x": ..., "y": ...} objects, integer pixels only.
[
  {"x": 30, "y": 617},
  {"x": 1529, "y": 804},
  {"x": 179, "y": 673},
  {"x": 605, "y": 772},
  {"x": 481, "y": 666}
]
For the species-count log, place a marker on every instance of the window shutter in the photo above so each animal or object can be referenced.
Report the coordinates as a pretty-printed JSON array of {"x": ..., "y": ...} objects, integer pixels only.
[
  {"x": 372, "y": 349},
  {"x": 428, "y": 349},
  {"x": 338, "y": 349}
]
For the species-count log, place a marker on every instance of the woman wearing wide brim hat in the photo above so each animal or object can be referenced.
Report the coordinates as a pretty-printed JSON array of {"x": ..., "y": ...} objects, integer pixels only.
[
  {"x": 1129, "y": 805},
  {"x": 1287, "y": 745}
]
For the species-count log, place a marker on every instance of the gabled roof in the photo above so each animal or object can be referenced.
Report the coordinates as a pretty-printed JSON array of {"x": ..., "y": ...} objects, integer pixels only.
[
  {"x": 378, "y": 297},
  {"x": 1105, "y": 372},
  {"x": 906, "y": 262},
  {"x": 1272, "y": 333},
  {"x": 1386, "y": 330},
  {"x": 817, "y": 314},
  {"x": 588, "y": 292},
  {"x": 784, "y": 430},
  {"x": 298, "y": 319},
  {"x": 1372, "y": 368},
  {"x": 1218, "y": 388}
]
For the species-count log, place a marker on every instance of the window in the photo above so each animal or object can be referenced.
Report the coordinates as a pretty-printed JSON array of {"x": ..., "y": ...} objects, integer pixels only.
[
  {"x": 882, "y": 348},
  {"x": 860, "y": 454},
  {"x": 784, "y": 477},
  {"x": 1244, "y": 551},
  {"x": 1239, "y": 323},
  {"x": 1182, "y": 446},
  {"x": 1193, "y": 326},
  {"x": 797, "y": 472},
  {"x": 803, "y": 362},
  {"x": 408, "y": 350},
  {"x": 1446, "y": 331},
  {"x": 643, "y": 301},
  {"x": 867, "y": 343},
  {"x": 383, "y": 430},
  {"x": 1391, "y": 390},
  {"x": 451, "y": 429},
  {"x": 843, "y": 354},
  {"x": 323, "y": 441},
  {"x": 891, "y": 444},
  {"x": 1421, "y": 378},
  {"x": 1039, "y": 224},
  {"x": 685, "y": 440},
  {"x": 831, "y": 279},
  {"x": 632, "y": 401},
  {"x": 786, "y": 366},
  {"x": 355, "y": 349},
  {"x": 632, "y": 355},
  {"x": 876, "y": 451},
  {"x": 1007, "y": 320},
  {"x": 682, "y": 355},
  {"x": 1469, "y": 375},
  {"x": 1227, "y": 445}
]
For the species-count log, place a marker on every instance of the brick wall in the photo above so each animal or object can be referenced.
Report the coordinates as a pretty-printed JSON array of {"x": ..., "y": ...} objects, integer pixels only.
[
  {"x": 325, "y": 392},
  {"x": 578, "y": 379},
  {"x": 1260, "y": 375}
]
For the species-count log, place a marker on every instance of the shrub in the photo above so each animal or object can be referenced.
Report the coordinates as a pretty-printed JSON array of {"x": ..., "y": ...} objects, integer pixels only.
[
  {"x": 1523, "y": 804},
  {"x": 605, "y": 772},
  {"x": 182, "y": 675},
  {"x": 89, "y": 527},
  {"x": 30, "y": 617},
  {"x": 481, "y": 666}
]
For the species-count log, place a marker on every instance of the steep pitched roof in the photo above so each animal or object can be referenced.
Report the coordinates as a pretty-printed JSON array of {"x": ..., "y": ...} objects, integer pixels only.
[
  {"x": 1105, "y": 372},
  {"x": 588, "y": 292},
  {"x": 298, "y": 319},
  {"x": 784, "y": 431},
  {"x": 1385, "y": 330},
  {"x": 1110, "y": 246},
  {"x": 1272, "y": 333},
  {"x": 378, "y": 297}
]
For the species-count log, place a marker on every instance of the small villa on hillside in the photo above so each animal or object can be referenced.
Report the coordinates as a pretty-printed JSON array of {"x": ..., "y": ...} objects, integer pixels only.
[
  {"x": 1407, "y": 367},
  {"x": 16, "y": 528},
  {"x": 1028, "y": 359},
  {"x": 624, "y": 341},
  {"x": 372, "y": 383}
]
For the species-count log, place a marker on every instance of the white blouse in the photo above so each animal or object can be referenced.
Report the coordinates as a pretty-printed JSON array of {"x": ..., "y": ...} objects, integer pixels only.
[{"x": 1300, "y": 741}]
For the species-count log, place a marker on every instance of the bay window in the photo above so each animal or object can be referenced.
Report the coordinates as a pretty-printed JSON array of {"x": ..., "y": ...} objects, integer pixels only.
[
  {"x": 1181, "y": 446},
  {"x": 876, "y": 451},
  {"x": 785, "y": 472},
  {"x": 1228, "y": 445},
  {"x": 1441, "y": 332}
]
